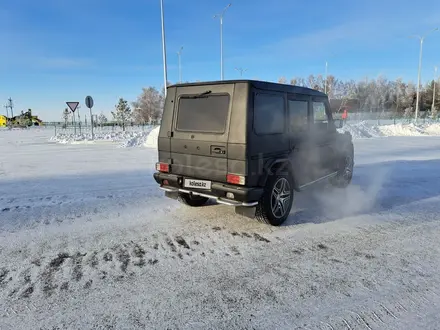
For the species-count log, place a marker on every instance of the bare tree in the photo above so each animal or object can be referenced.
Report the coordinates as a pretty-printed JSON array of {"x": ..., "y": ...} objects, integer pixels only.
[
  {"x": 102, "y": 119},
  {"x": 282, "y": 80},
  {"x": 148, "y": 107}
]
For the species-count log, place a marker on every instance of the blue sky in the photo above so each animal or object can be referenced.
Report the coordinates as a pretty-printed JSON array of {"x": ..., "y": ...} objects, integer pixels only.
[{"x": 55, "y": 51}]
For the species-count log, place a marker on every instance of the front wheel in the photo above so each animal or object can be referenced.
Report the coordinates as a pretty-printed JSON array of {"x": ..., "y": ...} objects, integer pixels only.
[
  {"x": 275, "y": 204},
  {"x": 192, "y": 200},
  {"x": 345, "y": 173}
]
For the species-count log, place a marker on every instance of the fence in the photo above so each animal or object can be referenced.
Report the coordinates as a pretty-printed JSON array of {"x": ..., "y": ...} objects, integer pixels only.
[
  {"x": 385, "y": 118},
  {"x": 82, "y": 129},
  {"x": 370, "y": 118}
]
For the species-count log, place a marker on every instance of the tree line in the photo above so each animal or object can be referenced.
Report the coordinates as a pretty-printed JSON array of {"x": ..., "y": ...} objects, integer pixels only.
[
  {"x": 367, "y": 95},
  {"x": 375, "y": 95}
]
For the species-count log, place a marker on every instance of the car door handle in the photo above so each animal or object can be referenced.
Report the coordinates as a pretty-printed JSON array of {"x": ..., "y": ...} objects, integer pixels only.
[{"x": 218, "y": 150}]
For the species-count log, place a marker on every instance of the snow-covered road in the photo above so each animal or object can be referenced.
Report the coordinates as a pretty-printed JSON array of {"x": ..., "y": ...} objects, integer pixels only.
[{"x": 88, "y": 242}]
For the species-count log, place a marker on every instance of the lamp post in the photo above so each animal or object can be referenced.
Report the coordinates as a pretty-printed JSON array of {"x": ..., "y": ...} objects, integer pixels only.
[
  {"x": 221, "y": 38},
  {"x": 164, "y": 55},
  {"x": 179, "y": 53},
  {"x": 326, "y": 70},
  {"x": 421, "y": 38},
  {"x": 433, "y": 90}
]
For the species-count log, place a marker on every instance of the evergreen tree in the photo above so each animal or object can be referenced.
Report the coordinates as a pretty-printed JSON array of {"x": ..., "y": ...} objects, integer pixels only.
[{"x": 122, "y": 113}]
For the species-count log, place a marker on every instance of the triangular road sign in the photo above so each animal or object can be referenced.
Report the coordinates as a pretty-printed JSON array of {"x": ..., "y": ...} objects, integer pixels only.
[{"x": 72, "y": 105}]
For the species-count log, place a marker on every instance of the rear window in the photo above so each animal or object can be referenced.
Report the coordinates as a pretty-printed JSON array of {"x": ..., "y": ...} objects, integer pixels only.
[{"x": 207, "y": 113}]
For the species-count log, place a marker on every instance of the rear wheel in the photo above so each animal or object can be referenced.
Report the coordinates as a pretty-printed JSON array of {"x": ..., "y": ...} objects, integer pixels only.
[
  {"x": 275, "y": 204},
  {"x": 192, "y": 200}
]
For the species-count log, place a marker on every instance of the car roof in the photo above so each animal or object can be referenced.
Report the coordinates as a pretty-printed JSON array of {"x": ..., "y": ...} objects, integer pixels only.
[{"x": 259, "y": 84}]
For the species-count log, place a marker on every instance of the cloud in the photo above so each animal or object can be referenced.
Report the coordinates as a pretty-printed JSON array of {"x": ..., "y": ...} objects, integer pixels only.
[{"x": 367, "y": 33}]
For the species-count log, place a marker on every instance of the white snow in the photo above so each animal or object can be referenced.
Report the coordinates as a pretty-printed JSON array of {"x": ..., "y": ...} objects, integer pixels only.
[
  {"x": 151, "y": 141},
  {"x": 148, "y": 136},
  {"x": 410, "y": 129},
  {"x": 88, "y": 241},
  {"x": 129, "y": 138},
  {"x": 361, "y": 130}
]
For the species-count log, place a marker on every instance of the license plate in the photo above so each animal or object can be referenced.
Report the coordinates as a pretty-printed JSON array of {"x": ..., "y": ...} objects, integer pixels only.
[{"x": 197, "y": 184}]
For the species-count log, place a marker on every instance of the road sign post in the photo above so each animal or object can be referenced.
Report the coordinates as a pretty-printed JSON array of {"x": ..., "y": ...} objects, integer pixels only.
[
  {"x": 72, "y": 106},
  {"x": 89, "y": 104}
]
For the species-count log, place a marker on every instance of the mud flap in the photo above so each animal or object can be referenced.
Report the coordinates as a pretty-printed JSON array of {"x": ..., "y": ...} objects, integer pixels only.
[
  {"x": 172, "y": 194},
  {"x": 246, "y": 211}
]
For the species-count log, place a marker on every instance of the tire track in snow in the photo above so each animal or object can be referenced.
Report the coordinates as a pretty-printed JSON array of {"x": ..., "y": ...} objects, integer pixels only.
[
  {"x": 384, "y": 314},
  {"x": 76, "y": 270}
]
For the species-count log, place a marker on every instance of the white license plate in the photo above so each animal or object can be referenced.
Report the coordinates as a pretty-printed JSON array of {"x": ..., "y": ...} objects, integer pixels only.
[{"x": 197, "y": 184}]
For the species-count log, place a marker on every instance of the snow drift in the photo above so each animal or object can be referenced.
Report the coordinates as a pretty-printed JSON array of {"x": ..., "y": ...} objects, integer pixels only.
[
  {"x": 148, "y": 137},
  {"x": 361, "y": 130},
  {"x": 151, "y": 141},
  {"x": 125, "y": 138},
  {"x": 410, "y": 129}
]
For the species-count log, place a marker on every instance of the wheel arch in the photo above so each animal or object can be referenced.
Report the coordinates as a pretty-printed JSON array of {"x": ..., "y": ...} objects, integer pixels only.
[{"x": 278, "y": 166}]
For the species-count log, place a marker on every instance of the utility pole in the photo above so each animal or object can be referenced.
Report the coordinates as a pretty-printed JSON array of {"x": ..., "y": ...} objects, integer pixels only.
[
  {"x": 433, "y": 91},
  {"x": 221, "y": 38},
  {"x": 419, "y": 71},
  {"x": 164, "y": 51},
  {"x": 326, "y": 70},
  {"x": 241, "y": 71},
  {"x": 10, "y": 105},
  {"x": 179, "y": 53}
]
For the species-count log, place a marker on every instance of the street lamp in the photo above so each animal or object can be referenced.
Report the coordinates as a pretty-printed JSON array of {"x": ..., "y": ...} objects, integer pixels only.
[
  {"x": 179, "y": 53},
  {"x": 326, "y": 69},
  {"x": 420, "y": 68},
  {"x": 221, "y": 38},
  {"x": 164, "y": 48},
  {"x": 241, "y": 71}
]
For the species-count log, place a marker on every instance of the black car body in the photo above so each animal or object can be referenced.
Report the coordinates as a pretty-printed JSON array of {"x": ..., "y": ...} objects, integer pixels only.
[{"x": 231, "y": 141}]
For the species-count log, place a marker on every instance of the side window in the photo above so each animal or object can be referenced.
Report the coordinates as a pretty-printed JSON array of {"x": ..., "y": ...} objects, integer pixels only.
[
  {"x": 268, "y": 114},
  {"x": 319, "y": 114},
  {"x": 298, "y": 114}
]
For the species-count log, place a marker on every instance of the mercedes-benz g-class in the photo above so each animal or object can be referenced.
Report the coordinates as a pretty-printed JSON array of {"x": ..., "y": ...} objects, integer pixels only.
[{"x": 249, "y": 144}]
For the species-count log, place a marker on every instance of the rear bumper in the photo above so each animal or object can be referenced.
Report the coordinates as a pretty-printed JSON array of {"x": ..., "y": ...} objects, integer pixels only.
[{"x": 243, "y": 196}]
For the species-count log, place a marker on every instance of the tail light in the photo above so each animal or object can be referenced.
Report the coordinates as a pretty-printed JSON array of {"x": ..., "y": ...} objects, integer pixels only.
[
  {"x": 235, "y": 179},
  {"x": 163, "y": 167}
]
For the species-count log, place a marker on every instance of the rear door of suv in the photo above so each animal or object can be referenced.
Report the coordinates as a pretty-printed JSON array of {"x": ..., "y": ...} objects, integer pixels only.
[{"x": 199, "y": 136}]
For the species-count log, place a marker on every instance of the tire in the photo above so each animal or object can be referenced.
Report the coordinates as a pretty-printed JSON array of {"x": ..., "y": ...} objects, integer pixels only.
[
  {"x": 268, "y": 209},
  {"x": 192, "y": 200},
  {"x": 345, "y": 172}
]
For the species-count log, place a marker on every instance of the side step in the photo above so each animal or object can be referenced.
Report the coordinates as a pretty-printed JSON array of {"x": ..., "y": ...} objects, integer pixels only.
[{"x": 328, "y": 176}]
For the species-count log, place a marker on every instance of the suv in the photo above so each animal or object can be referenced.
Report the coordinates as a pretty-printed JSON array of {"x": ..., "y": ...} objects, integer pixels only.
[{"x": 249, "y": 144}]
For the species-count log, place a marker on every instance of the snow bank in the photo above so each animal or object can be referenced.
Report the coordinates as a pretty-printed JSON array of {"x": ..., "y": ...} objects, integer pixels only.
[
  {"x": 152, "y": 138},
  {"x": 411, "y": 129},
  {"x": 148, "y": 137},
  {"x": 126, "y": 139},
  {"x": 361, "y": 130},
  {"x": 137, "y": 139}
]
